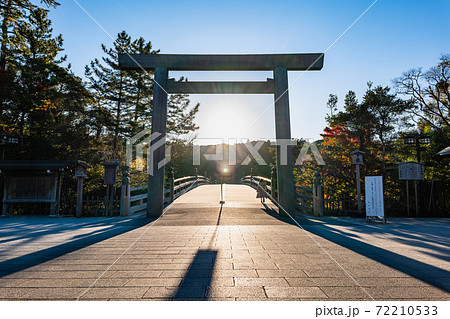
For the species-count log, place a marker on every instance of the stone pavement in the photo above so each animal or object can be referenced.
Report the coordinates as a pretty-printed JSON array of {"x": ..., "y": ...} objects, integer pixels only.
[{"x": 200, "y": 250}]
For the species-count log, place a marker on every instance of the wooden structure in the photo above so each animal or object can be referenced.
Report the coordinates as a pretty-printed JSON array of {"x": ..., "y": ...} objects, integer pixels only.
[
  {"x": 280, "y": 64},
  {"x": 109, "y": 179},
  {"x": 134, "y": 199},
  {"x": 411, "y": 171},
  {"x": 34, "y": 182}
]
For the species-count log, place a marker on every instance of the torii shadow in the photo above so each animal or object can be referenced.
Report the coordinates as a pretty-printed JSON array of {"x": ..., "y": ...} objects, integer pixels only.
[
  {"x": 427, "y": 273},
  {"x": 26, "y": 261}
]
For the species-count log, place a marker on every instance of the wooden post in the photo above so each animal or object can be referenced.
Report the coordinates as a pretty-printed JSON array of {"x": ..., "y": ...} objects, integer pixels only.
[
  {"x": 358, "y": 188},
  {"x": 417, "y": 202},
  {"x": 54, "y": 205},
  {"x": 407, "y": 197},
  {"x": 5, "y": 197},
  {"x": 125, "y": 195},
  {"x": 317, "y": 195},
  {"x": 58, "y": 194},
  {"x": 79, "y": 210},
  {"x": 273, "y": 182},
  {"x": 155, "y": 198},
  {"x": 286, "y": 195},
  {"x": 172, "y": 184},
  {"x": 107, "y": 200}
]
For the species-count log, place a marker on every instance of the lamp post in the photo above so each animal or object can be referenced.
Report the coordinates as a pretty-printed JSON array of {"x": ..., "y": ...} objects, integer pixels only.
[
  {"x": 224, "y": 171},
  {"x": 418, "y": 139},
  {"x": 358, "y": 160},
  {"x": 8, "y": 139},
  {"x": 80, "y": 175}
]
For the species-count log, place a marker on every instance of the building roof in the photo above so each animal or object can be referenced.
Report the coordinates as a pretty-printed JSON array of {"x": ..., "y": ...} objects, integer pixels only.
[
  {"x": 39, "y": 165},
  {"x": 444, "y": 153}
]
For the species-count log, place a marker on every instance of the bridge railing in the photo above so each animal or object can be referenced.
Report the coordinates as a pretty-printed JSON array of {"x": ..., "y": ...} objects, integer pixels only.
[
  {"x": 307, "y": 199},
  {"x": 304, "y": 196},
  {"x": 134, "y": 199},
  {"x": 253, "y": 181},
  {"x": 185, "y": 184}
]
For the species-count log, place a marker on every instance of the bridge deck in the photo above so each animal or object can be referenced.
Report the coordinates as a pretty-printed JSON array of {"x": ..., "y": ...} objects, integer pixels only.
[{"x": 242, "y": 250}]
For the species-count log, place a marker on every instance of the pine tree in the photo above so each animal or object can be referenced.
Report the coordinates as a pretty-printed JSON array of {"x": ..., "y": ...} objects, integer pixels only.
[
  {"x": 127, "y": 96},
  {"x": 14, "y": 15},
  {"x": 46, "y": 103}
]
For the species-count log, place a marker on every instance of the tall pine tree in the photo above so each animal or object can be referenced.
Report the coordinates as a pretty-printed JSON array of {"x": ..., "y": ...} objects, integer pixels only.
[
  {"x": 14, "y": 15},
  {"x": 45, "y": 101},
  {"x": 124, "y": 98}
]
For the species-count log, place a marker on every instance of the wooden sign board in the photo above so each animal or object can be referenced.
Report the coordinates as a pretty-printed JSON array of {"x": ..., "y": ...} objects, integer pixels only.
[
  {"x": 374, "y": 196},
  {"x": 411, "y": 171},
  {"x": 31, "y": 187}
]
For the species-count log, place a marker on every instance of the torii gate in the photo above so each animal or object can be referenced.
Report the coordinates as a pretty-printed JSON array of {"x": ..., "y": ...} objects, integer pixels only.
[{"x": 278, "y": 63}]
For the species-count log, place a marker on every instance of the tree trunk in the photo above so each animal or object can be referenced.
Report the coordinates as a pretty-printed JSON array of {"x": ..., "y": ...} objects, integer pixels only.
[
  {"x": 4, "y": 36},
  {"x": 116, "y": 129}
]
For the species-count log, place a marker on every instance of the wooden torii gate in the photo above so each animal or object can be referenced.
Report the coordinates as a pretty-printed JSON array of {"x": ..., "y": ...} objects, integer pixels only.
[{"x": 280, "y": 64}]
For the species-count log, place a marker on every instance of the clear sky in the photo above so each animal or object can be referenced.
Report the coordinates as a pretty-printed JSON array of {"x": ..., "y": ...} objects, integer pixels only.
[{"x": 392, "y": 37}]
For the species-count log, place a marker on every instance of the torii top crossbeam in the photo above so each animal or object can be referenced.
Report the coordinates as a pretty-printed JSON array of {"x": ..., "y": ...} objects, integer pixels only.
[{"x": 230, "y": 62}]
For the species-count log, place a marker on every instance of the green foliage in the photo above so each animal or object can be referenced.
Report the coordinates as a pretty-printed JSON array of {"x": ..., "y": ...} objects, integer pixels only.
[
  {"x": 124, "y": 99},
  {"x": 45, "y": 101},
  {"x": 429, "y": 91},
  {"x": 377, "y": 125}
]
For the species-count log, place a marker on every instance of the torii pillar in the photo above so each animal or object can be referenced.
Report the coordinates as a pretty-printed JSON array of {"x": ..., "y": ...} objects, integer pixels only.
[{"x": 285, "y": 177}]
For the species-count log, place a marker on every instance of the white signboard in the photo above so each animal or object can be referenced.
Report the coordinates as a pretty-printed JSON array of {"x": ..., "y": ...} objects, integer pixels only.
[
  {"x": 374, "y": 196},
  {"x": 412, "y": 171}
]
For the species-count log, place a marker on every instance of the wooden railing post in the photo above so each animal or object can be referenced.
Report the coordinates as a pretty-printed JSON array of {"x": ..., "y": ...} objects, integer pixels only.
[
  {"x": 317, "y": 195},
  {"x": 251, "y": 177},
  {"x": 171, "y": 184},
  {"x": 125, "y": 195},
  {"x": 79, "y": 209},
  {"x": 273, "y": 182}
]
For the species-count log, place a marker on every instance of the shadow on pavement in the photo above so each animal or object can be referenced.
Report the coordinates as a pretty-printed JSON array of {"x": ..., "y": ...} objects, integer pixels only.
[
  {"x": 430, "y": 237},
  {"x": 198, "y": 277},
  {"x": 29, "y": 260},
  {"x": 430, "y": 274}
]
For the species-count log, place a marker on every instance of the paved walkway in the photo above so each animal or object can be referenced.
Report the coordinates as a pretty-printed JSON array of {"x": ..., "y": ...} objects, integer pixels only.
[{"x": 200, "y": 250}]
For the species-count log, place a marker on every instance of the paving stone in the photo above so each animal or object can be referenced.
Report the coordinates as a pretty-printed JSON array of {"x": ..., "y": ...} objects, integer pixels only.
[
  {"x": 320, "y": 282},
  {"x": 261, "y": 282},
  {"x": 55, "y": 283},
  {"x": 115, "y": 293},
  {"x": 153, "y": 282},
  {"x": 295, "y": 292},
  {"x": 227, "y": 292},
  {"x": 235, "y": 273},
  {"x": 171, "y": 292},
  {"x": 14, "y": 293},
  {"x": 132, "y": 274},
  {"x": 53, "y": 294},
  {"x": 345, "y": 293},
  {"x": 416, "y": 293},
  {"x": 280, "y": 273}
]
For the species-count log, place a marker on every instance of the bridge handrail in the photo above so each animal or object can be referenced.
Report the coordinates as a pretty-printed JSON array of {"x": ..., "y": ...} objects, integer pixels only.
[
  {"x": 173, "y": 189},
  {"x": 256, "y": 178},
  {"x": 138, "y": 188},
  {"x": 254, "y": 181}
]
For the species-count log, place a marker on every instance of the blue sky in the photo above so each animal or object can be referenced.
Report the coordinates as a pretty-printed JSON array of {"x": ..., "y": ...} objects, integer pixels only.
[{"x": 390, "y": 38}]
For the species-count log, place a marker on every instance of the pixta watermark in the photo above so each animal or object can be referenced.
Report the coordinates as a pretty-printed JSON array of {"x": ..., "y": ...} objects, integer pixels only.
[{"x": 232, "y": 151}]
